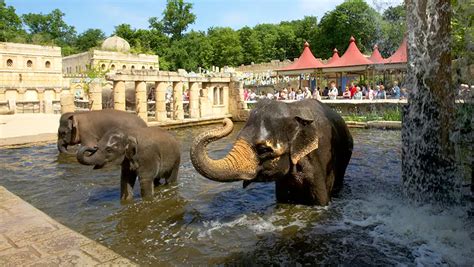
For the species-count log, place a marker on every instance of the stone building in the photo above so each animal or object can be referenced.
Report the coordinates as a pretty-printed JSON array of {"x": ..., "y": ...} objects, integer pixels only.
[
  {"x": 30, "y": 77},
  {"x": 113, "y": 55}
]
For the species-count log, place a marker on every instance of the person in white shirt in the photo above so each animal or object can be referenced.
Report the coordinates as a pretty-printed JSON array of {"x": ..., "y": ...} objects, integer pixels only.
[{"x": 333, "y": 91}]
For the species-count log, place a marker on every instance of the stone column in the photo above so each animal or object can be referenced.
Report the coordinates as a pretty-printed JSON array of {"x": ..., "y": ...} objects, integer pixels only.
[
  {"x": 119, "y": 95},
  {"x": 95, "y": 92},
  {"x": 42, "y": 104},
  {"x": 178, "y": 112},
  {"x": 20, "y": 94},
  {"x": 140, "y": 99},
  {"x": 67, "y": 102},
  {"x": 160, "y": 101},
  {"x": 194, "y": 100}
]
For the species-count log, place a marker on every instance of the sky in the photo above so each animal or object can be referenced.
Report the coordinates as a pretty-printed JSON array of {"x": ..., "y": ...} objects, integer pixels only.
[{"x": 105, "y": 14}]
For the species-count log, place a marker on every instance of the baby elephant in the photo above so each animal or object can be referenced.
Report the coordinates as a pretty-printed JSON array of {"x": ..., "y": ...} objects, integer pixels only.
[{"x": 149, "y": 153}]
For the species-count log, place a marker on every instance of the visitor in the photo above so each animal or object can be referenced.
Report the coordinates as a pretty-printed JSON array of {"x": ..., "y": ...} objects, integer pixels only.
[
  {"x": 270, "y": 96},
  {"x": 246, "y": 95},
  {"x": 333, "y": 91},
  {"x": 396, "y": 90},
  {"x": 326, "y": 91},
  {"x": 299, "y": 95},
  {"x": 403, "y": 93},
  {"x": 307, "y": 93},
  {"x": 252, "y": 96},
  {"x": 316, "y": 94},
  {"x": 382, "y": 94},
  {"x": 284, "y": 94},
  {"x": 292, "y": 94},
  {"x": 364, "y": 91},
  {"x": 358, "y": 94},
  {"x": 370, "y": 93},
  {"x": 346, "y": 93},
  {"x": 352, "y": 90}
]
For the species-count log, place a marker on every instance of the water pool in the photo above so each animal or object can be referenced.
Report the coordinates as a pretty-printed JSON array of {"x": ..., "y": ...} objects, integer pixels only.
[{"x": 202, "y": 222}]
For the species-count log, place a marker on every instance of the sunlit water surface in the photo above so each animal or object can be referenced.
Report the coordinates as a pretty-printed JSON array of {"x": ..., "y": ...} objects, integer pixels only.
[{"x": 199, "y": 221}]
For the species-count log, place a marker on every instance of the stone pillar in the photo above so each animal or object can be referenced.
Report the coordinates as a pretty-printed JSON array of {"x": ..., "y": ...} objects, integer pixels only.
[
  {"x": 194, "y": 100},
  {"x": 95, "y": 92},
  {"x": 204, "y": 103},
  {"x": 67, "y": 102},
  {"x": 140, "y": 99},
  {"x": 160, "y": 101},
  {"x": 119, "y": 95},
  {"x": 178, "y": 112},
  {"x": 40, "y": 92},
  {"x": 20, "y": 94}
]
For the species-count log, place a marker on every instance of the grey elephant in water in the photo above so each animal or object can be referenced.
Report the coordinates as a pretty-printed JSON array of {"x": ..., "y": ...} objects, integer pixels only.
[
  {"x": 88, "y": 127},
  {"x": 151, "y": 154},
  {"x": 303, "y": 146}
]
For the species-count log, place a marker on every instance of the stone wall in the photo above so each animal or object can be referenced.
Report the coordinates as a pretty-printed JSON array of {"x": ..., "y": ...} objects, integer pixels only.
[{"x": 264, "y": 67}]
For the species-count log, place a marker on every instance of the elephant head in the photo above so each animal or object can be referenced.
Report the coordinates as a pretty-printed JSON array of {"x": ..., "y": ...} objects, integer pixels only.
[
  {"x": 68, "y": 133},
  {"x": 113, "y": 147},
  {"x": 275, "y": 138}
]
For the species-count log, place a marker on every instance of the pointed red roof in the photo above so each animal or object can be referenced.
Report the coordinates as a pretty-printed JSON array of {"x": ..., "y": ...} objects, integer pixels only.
[
  {"x": 400, "y": 56},
  {"x": 352, "y": 57},
  {"x": 335, "y": 56},
  {"x": 376, "y": 57},
  {"x": 305, "y": 61}
]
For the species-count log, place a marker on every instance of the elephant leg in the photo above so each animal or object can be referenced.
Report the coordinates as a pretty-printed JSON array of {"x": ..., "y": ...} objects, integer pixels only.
[
  {"x": 127, "y": 181},
  {"x": 146, "y": 187},
  {"x": 173, "y": 176},
  {"x": 320, "y": 190},
  {"x": 156, "y": 181}
]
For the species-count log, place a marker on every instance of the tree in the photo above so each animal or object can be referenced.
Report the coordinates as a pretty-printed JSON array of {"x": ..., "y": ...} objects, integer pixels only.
[
  {"x": 251, "y": 46},
  {"x": 50, "y": 28},
  {"x": 176, "y": 18},
  {"x": 89, "y": 39},
  {"x": 393, "y": 29},
  {"x": 10, "y": 24},
  {"x": 226, "y": 46},
  {"x": 353, "y": 17}
]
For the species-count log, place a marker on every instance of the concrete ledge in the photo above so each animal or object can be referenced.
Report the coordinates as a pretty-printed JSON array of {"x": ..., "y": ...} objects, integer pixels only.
[
  {"x": 28, "y": 140},
  {"x": 173, "y": 124},
  {"x": 387, "y": 125},
  {"x": 29, "y": 236}
]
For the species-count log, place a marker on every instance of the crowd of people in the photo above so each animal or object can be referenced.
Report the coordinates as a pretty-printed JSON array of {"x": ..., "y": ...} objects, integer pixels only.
[{"x": 354, "y": 91}]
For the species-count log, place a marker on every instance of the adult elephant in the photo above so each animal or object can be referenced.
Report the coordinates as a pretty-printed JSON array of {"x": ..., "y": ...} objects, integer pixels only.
[
  {"x": 303, "y": 146},
  {"x": 88, "y": 127}
]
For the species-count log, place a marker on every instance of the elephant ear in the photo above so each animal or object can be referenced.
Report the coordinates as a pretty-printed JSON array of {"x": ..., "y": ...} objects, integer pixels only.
[
  {"x": 305, "y": 139},
  {"x": 72, "y": 125},
  {"x": 131, "y": 152}
]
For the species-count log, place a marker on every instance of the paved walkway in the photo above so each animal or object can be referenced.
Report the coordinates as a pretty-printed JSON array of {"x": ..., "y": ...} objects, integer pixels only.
[
  {"x": 28, "y": 237},
  {"x": 21, "y": 129}
]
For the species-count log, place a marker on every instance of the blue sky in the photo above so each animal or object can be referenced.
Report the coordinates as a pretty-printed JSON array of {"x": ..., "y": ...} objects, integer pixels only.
[{"x": 105, "y": 14}]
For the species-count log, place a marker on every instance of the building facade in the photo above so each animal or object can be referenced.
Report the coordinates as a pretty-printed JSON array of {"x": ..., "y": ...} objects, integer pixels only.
[{"x": 30, "y": 77}]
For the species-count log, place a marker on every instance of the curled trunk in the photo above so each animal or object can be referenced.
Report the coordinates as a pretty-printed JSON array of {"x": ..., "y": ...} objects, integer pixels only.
[
  {"x": 89, "y": 156},
  {"x": 240, "y": 164}
]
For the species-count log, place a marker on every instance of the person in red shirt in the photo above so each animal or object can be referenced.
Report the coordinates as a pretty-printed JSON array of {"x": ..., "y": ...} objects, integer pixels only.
[{"x": 353, "y": 90}]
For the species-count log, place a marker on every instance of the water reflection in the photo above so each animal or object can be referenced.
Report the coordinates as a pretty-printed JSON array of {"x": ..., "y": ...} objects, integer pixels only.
[{"x": 198, "y": 221}]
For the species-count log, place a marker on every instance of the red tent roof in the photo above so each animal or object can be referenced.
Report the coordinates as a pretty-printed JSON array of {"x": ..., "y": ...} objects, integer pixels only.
[
  {"x": 376, "y": 57},
  {"x": 305, "y": 61},
  {"x": 400, "y": 56},
  {"x": 335, "y": 56},
  {"x": 352, "y": 57}
]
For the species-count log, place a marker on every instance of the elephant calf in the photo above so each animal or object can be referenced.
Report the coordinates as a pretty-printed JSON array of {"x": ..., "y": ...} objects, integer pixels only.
[{"x": 149, "y": 153}]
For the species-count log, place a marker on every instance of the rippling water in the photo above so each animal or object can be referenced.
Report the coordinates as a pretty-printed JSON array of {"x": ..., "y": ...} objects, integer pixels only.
[{"x": 199, "y": 221}]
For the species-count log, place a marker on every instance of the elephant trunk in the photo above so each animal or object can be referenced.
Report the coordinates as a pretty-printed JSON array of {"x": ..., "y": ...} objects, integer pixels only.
[
  {"x": 239, "y": 164},
  {"x": 92, "y": 157},
  {"x": 63, "y": 147}
]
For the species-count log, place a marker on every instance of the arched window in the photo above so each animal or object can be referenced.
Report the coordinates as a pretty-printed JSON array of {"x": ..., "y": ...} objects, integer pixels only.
[
  {"x": 47, "y": 64},
  {"x": 124, "y": 67},
  {"x": 151, "y": 67},
  {"x": 29, "y": 63},
  {"x": 103, "y": 66},
  {"x": 221, "y": 96},
  {"x": 133, "y": 67},
  {"x": 9, "y": 62},
  {"x": 216, "y": 96},
  {"x": 112, "y": 67},
  {"x": 143, "y": 67}
]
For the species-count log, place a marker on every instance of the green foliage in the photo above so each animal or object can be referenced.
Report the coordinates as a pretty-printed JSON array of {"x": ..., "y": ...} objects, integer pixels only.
[
  {"x": 226, "y": 46},
  {"x": 462, "y": 21},
  {"x": 176, "y": 18},
  {"x": 10, "y": 24},
  {"x": 89, "y": 39},
  {"x": 49, "y": 27}
]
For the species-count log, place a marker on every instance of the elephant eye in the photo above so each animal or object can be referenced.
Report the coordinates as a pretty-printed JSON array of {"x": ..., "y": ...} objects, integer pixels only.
[{"x": 108, "y": 149}]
